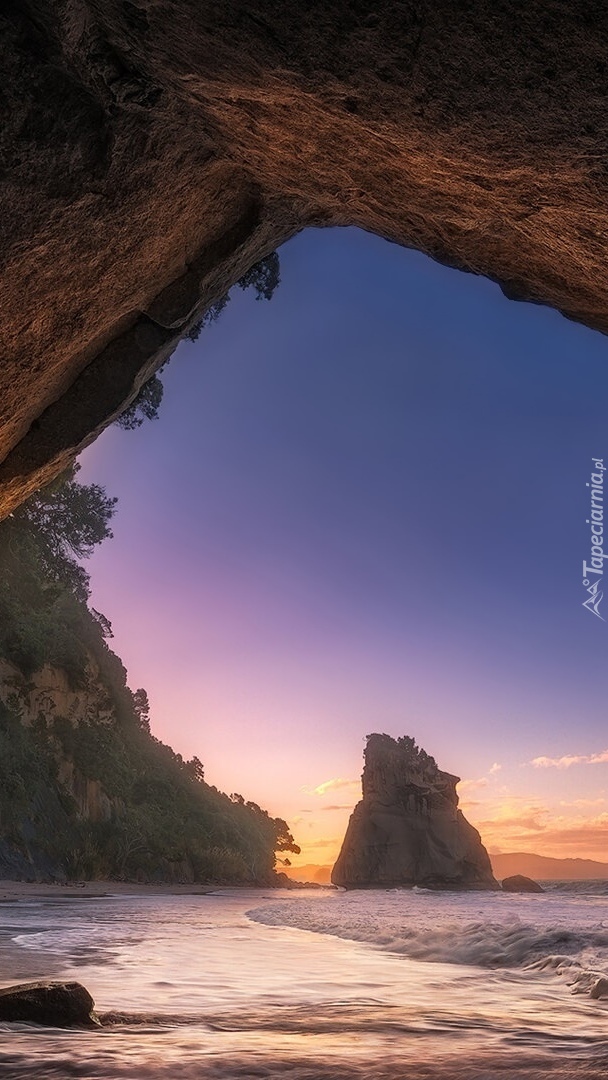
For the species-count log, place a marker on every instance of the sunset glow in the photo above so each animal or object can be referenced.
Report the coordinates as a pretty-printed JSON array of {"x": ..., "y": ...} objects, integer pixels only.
[{"x": 345, "y": 528}]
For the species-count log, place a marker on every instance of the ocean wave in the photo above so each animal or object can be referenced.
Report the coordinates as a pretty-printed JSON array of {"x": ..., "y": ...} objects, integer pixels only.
[
  {"x": 596, "y": 887},
  {"x": 192, "y": 1064},
  {"x": 579, "y": 955}
]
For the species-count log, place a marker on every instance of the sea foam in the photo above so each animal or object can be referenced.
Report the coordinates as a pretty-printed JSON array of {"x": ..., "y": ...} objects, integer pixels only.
[{"x": 563, "y": 934}]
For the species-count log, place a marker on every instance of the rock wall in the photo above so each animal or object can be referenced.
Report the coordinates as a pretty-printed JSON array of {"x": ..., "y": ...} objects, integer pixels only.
[
  {"x": 407, "y": 829},
  {"x": 38, "y": 700},
  {"x": 151, "y": 152},
  {"x": 48, "y": 693}
]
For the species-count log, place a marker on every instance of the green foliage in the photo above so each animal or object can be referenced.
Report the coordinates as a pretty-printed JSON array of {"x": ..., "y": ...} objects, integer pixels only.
[
  {"x": 211, "y": 315},
  {"x": 144, "y": 407},
  {"x": 263, "y": 277},
  {"x": 60, "y": 525},
  {"x": 43, "y": 585},
  {"x": 162, "y": 820}
]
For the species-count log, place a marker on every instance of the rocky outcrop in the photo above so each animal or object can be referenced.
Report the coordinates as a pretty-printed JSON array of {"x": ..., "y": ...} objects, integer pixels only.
[
  {"x": 152, "y": 152},
  {"x": 45, "y": 807},
  {"x": 520, "y": 883},
  {"x": 47, "y": 695},
  {"x": 407, "y": 829},
  {"x": 54, "y": 1004},
  {"x": 599, "y": 989}
]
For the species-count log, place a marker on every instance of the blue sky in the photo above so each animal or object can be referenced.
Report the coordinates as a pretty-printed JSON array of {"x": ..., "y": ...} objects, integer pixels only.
[{"x": 363, "y": 508}]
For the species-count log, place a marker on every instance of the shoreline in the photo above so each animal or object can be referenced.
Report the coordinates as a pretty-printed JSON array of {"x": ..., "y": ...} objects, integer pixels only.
[{"x": 11, "y": 891}]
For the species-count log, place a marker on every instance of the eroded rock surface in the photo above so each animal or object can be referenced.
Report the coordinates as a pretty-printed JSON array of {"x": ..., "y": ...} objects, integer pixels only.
[
  {"x": 152, "y": 152},
  {"x": 407, "y": 829}
]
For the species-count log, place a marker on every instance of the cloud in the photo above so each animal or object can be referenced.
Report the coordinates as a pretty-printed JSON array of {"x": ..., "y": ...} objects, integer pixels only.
[
  {"x": 521, "y": 826},
  {"x": 472, "y": 785},
  {"x": 336, "y": 806},
  {"x": 337, "y": 784},
  {"x": 529, "y": 821},
  {"x": 570, "y": 759},
  {"x": 481, "y": 782},
  {"x": 333, "y": 842},
  {"x": 586, "y": 839},
  {"x": 581, "y": 804}
]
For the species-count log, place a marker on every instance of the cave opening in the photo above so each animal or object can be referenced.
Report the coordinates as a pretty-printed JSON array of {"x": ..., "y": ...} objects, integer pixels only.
[{"x": 364, "y": 498}]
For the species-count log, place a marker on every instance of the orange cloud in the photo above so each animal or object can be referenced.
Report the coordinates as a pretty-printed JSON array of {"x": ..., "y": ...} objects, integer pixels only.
[
  {"x": 584, "y": 803},
  {"x": 337, "y": 784},
  {"x": 332, "y": 842},
  {"x": 535, "y": 828}
]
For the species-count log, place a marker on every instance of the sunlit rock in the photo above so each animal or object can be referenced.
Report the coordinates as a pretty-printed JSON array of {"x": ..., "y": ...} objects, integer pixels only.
[{"x": 407, "y": 829}]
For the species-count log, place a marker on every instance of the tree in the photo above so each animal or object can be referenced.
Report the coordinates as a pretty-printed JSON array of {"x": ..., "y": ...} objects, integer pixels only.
[
  {"x": 60, "y": 525},
  {"x": 141, "y": 708},
  {"x": 103, "y": 623},
  {"x": 264, "y": 277},
  {"x": 144, "y": 407},
  {"x": 284, "y": 841},
  {"x": 211, "y": 315},
  {"x": 195, "y": 769}
]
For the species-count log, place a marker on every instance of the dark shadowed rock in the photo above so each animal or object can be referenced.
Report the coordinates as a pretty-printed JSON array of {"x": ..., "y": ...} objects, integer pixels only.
[
  {"x": 54, "y": 1004},
  {"x": 520, "y": 883},
  {"x": 407, "y": 829}
]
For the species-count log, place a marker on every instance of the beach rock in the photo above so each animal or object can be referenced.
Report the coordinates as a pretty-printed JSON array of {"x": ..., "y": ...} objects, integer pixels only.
[
  {"x": 407, "y": 829},
  {"x": 599, "y": 989},
  {"x": 54, "y": 1004},
  {"x": 519, "y": 883},
  {"x": 152, "y": 152}
]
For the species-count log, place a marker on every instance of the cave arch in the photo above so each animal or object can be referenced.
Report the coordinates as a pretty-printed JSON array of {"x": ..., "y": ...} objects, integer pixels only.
[{"x": 154, "y": 150}]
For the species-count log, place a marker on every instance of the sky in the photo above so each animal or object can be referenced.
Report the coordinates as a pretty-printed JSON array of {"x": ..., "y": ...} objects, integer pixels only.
[{"x": 364, "y": 508}]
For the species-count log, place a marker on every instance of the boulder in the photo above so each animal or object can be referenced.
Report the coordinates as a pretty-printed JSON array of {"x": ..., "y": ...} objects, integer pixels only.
[
  {"x": 599, "y": 989},
  {"x": 520, "y": 883},
  {"x": 54, "y": 1004},
  {"x": 407, "y": 829}
]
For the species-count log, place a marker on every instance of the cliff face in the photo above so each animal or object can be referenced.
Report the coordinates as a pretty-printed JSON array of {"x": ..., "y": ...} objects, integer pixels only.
[
  {"x": 407, "y": 829},
  {"x": 87, "y": 792},
  {"x": 152, "y": 152},
  {"x": 50, "y": 804}
]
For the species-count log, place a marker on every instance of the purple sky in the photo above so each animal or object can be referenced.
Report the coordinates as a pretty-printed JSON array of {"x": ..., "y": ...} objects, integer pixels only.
[{"x": 363, "y": 509}]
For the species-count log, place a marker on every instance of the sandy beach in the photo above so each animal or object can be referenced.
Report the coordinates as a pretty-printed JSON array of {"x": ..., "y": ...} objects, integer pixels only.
[{"x": 10, "y": 891}]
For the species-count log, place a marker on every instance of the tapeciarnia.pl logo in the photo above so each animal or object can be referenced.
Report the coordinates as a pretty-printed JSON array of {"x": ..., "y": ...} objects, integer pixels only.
[{"x": 593, "y": 571}]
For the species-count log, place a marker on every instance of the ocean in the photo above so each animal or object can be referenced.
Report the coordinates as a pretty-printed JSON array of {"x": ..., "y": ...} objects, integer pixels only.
[{"x": 313, "y": 985}]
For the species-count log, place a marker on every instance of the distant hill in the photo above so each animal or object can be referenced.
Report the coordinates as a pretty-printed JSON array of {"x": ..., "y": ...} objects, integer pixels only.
[
  {"x": 308, "y": 872},
  {"x": 517, "y": 862},
  {"x": 540, "y": 866}
]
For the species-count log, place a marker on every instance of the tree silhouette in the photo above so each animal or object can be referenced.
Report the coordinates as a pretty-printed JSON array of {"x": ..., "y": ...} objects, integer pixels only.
[{"x": 263, "y": 277}]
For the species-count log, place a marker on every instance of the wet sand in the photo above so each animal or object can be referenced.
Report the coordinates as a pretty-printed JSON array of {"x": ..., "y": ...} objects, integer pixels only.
[{"x": 10, "y": 891}]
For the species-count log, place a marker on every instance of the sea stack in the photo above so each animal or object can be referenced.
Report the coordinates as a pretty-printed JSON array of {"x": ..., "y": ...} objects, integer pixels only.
[{"x": 407, "y": 829}]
